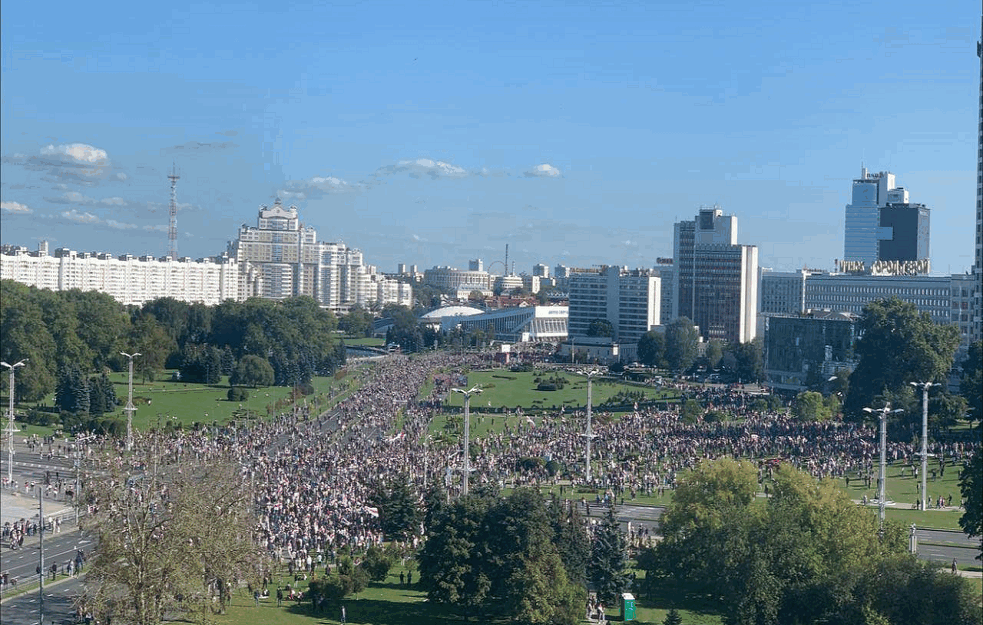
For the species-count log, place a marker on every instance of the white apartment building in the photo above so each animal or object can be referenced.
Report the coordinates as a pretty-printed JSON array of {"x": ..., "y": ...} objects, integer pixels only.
[
  {"x": 451, "y": 278},
  {"x": 280, "y": 258},
  {"x": 629, "y": 299},
  {"x": 128, "y": 279}
]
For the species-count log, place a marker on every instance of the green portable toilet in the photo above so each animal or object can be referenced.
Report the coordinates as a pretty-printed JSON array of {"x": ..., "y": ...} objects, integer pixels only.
[{"x": 627, "y": 606}]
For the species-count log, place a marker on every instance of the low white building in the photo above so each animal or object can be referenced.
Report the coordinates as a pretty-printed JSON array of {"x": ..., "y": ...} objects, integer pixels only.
[{"x": 522, "y": 324}]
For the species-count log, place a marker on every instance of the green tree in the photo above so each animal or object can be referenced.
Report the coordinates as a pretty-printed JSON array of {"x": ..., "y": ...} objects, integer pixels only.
[
  {"x": 25, "y": 336},
  {"x": 810, "y": 406},
  {"x": 252, "y": 371},
  {"x": 153, "y": 343},
  {"x": 690, "y": 411},
  {"x": 682, "y": 343},
  {"x": 399, "y": 509},
  {"x": 673, "y": 618},
  {"x": 600, "y": 327},
  {"x": 749, "y": 359},
  {"x": 971, "y": 383},
  {"x": 187, "y": 542},
  {"x": 897, "y": 345},
  {"x": 609, "y": 560},
  {"x": 971, "y": 486},
  {"x": 651, "y": 348},
  {"x": 715, "y": 351},
  {"x": 377, "y": 563},
  {"x": 495, "y": 558},
  {"x": 571, "y": 539},
  {"x": 357, "y": 323}
]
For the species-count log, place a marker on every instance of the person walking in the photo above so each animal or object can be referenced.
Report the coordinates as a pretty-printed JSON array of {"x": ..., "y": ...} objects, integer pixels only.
[{"x": 343, "y": 615}]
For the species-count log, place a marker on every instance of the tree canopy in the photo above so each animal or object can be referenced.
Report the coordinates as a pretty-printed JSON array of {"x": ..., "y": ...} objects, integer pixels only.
[
  {"x": 809, "y": 556},
  {"x": 494, "y": 557},
  {"x": 682, "y": 344},
  {"x": 90, "y": 329},
  {"x": 897, "y": 345},
  {"x": 651, "y": 349},
  {"x": 188, "y": 539}
]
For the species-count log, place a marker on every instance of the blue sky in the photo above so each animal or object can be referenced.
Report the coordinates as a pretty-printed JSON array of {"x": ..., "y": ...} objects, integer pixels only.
[{"x": 431, "y": 133}]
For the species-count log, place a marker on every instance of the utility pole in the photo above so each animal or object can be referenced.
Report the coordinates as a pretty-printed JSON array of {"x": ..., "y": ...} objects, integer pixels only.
[
  {"x": 10, "y": 420},
  {"x": 467, "y": 433},
  {"x": 924, "y": 386},
  {"x": 41, "y": 556},
  {"x": 590, "y": 433},
  {"x": 129, "y": 403},
  {"x": 883, "y": 412}
]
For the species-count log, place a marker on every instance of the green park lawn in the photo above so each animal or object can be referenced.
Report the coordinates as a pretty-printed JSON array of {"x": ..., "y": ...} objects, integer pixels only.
[
  {"x": 363, "y": 341},
  {"x": 389, "y": 603},
  {"x": 509, "y": 389},
  {"x": 187, "y": 403}
]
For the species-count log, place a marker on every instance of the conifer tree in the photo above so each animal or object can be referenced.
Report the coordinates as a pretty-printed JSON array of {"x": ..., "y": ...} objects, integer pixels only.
[{"x": 609, "y": 560}]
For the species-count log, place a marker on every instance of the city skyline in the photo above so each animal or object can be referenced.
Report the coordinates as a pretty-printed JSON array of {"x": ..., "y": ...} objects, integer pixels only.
[{"x": 576, "y": 134}]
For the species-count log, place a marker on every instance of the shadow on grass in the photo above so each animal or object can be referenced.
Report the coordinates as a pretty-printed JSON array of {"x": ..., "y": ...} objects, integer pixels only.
[
  {"x": 380, "y": 612},
  {"x": 666, "y": 598}
]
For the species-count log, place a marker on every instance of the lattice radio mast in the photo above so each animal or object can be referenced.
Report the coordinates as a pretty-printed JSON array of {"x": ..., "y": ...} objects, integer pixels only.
[{"x": 172, "y": 214}]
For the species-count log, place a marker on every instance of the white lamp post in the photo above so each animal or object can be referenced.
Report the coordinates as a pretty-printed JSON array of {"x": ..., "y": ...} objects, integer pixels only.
[
  {"x": 129, "y": 403},
  {"x": 10, "y": 420},
  {"x": 924, "y": 386},
  {"x": 590, "y": 433},
  {"x": 886, "y": 410},
  {"x": 467, "y": 432}
]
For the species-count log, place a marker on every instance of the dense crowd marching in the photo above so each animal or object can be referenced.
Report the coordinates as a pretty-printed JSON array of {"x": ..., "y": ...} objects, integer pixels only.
[{"x": 313, "y": 472}]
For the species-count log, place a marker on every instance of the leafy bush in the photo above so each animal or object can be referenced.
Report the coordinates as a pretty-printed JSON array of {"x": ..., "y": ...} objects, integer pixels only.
[
  {"x": 377, "y": 563},
  {"x": 237, "y": 393}
]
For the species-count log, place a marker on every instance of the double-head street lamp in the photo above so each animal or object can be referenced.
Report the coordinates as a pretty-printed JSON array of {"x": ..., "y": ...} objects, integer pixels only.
[
  {"x": 924, "y": 386},
  {"x": 129, "y": 403},
  {"x": 467, "y": 431},
  {"x": 10, "y": 420},
  {"x": 589, "y": 434},
  {"x": 883, "y": 412}
]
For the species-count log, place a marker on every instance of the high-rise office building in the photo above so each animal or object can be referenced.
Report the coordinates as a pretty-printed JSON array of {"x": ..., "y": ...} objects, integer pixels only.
[
  {"x": 715, "y": 278},
  {"x": 863, "y": 216},
  {"x": 904, "y": 231}
]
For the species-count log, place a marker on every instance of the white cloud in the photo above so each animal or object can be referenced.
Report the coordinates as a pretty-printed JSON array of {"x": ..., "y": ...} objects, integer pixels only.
[
  {"x": 118, "y": 225},
  {"x": 15, "y": 207},
  {"x": 78, "y": 152},
  {"x": 77, "y": 163},
  {"x": 543, "y": 171},
  {"x": 316, "y": 187},
  {"x": 82, "y": 218},
  {"x": 157, "y": 228},
  {"x": 113, "y": 201},
  {"x": 420, "y": 167}
]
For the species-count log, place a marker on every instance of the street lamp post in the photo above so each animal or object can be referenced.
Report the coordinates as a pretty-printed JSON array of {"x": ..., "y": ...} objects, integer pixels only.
[
  {"x": 467, "y": 432},
  {"x": 129, "y": 403},
  {"x": 924, "y": 386},
  {"x": 590, "y": 433},
  {"x": 886, "y": 410},
  {"x": 10, "y": 420}
]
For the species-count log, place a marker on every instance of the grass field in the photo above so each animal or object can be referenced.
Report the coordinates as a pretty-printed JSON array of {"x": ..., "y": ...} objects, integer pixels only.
[
  {"x": 509, "y": 389},
  {"x": 365, "y": 341},
  {"x": 186, "y": 403},
  {"x": 389, "y": 603}
]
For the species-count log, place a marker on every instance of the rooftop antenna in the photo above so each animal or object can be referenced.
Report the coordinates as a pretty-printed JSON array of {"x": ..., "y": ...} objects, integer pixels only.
[
  {"x": 506, "y": 258},
  {"x": 172, "y": 214}
]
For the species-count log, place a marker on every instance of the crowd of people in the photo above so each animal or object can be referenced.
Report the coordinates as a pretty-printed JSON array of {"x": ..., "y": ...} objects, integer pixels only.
[{"x": 314, "y": 472}]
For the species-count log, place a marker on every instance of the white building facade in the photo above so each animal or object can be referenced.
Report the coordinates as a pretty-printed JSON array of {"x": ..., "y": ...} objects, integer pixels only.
[{"x": 128, "y": 279}]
